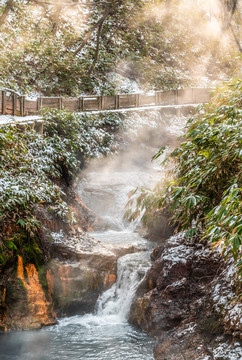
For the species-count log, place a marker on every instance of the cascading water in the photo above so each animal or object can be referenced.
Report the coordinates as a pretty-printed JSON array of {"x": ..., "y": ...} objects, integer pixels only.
[
  {"x": 117, "y": 300},
  {"x": 105, "y": 334}
]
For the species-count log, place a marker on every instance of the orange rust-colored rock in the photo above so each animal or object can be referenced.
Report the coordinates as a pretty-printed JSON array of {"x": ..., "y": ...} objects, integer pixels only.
[
  {"x": 2, "y": 322},
  {"x": 39, "y": 308},
  {"x": 4, "y": 295},
  {"x": 74, "y": 287},
  {"x": 109, "y": 280},
  {"x": 64, "y": 277},
  {"x": 150, "y": 284},
  {"x": 20, "y": 269}
]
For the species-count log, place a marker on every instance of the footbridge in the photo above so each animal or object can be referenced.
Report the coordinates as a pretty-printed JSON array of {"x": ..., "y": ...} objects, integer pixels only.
[{"x": 19, "y": 109}]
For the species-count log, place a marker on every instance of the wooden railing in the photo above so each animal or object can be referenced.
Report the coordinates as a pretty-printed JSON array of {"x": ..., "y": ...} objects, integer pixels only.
[{"x": 13, "y": 103}]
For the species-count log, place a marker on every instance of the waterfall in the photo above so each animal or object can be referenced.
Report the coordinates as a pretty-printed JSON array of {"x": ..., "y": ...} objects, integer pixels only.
[
  {"x": 117, "y": 300},
  {"x": 104, "y": 189}
]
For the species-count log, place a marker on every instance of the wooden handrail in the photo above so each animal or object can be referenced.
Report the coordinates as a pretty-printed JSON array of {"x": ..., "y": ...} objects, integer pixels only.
[
  {"x": 12, "y": 91},
  {"x": 17, "y": 104}
]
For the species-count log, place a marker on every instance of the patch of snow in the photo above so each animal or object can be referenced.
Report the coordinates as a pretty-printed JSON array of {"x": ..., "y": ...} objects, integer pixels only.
[
  {"x": 178, "y": 254},
  {"x": 58, "y": 237},
  {"x": 226, "y": 351},
  {"x": 8, "y": 119},
  {"x": 224, "y": 299}
]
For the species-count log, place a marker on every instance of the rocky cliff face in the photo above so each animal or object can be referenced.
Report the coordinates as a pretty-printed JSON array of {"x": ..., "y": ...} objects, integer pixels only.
[
  {"x": 69, "y": 284},
  {"x": 188, "y": 302},
  {"x": 78, "y": 269}
]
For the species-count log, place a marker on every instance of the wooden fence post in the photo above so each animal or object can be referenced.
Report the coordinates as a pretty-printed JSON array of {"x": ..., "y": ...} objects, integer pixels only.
[
  {"x": 100, "y": 103},
  {"x": 81, "y": 103},
  {"x": 3, "y": 102},
  {"x": 14, "y": 99},
  {"x": 22, "y": 105},
  {"x": 39, "y": 103},
  {"x": 60, "y": 103},
  {"x": 137, "y": 100},
  {"x": 117, "y": 101}
]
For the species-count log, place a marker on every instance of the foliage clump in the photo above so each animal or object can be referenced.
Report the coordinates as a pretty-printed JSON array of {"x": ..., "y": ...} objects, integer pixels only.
[
  {"x": 33, "y": 170},
  {"x": 205, "y": 193},
  {"x": 73, "y": 47},
  {"x": 23, "y": 183}
]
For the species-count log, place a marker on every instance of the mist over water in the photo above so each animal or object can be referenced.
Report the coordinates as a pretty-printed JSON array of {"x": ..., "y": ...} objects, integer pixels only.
[
  {"x": 106, "y": 334},
  {"x": 107, "y": 182}
]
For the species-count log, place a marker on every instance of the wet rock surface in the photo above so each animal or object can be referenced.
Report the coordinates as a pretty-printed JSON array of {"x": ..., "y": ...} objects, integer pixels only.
[
  {"x": 24, "y": 304},
  {"x": 81, "y": 269},
  {"x": 188, "y": 302},
  {"x": 78, "y": 268}
]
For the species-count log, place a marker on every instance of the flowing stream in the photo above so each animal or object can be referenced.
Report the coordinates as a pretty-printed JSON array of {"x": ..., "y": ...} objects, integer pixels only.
[{"x": 105, "y": 334}]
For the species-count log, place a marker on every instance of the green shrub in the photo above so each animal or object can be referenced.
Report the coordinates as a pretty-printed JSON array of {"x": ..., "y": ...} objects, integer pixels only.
[
  {"x": 23, "y": 180},
  {"x": 83, "y": 135},
  {"x": 33, "y": 169},
  {"x": 205, "y": 193}
]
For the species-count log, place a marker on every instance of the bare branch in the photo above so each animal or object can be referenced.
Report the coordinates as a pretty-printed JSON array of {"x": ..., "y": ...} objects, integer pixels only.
[
  {"x": 97, "y": 44},
  {"x": 122, "y": 22},
  {"x": 108, "y": 11}
]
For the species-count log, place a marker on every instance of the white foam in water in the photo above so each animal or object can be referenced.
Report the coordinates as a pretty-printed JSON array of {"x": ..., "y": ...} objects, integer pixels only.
[{"x": 90, "y": 320}]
